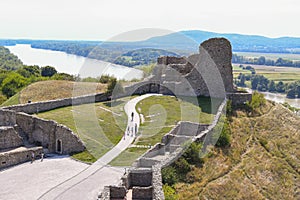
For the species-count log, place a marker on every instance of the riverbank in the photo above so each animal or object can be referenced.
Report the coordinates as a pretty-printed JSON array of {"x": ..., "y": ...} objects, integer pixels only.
[{"x": 72, "y": 64}]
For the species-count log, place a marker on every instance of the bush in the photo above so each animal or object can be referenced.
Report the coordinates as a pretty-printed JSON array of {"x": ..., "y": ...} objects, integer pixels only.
[
  {"x": 48, "y": 71},
  {"x": 257, "y": 101},
  {"x": 169, "y": 175},
  {"x": 192, "y": 154},
  {"x": 182, "y": 166},
  {"x": 224, "y": 139},
  {"x": 12, "y": 84},
  {"x": 170, "y": 193}
]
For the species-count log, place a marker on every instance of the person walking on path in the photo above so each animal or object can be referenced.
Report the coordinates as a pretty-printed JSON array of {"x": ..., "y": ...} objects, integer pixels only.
[
  {"x": 32, "y": 157},
  {"x": 135, "y": 128},
  {"x": 42, "y": 156},
  {"x": 132, "y": 115}
]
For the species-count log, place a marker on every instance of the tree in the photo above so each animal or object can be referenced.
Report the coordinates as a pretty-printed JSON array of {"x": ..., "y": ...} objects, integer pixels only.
[
  {"x": 291, "y": 94},
  {"x": 12, "y": 84},
  {"x": 272, "y": 87},
  {"x": 114, "y": 88},
  {"x": 28, "y": 71},
  {"x": 48, "y": 71},
  {"x": 261, "y": 60},
  {"x": 280, "y": 87}
]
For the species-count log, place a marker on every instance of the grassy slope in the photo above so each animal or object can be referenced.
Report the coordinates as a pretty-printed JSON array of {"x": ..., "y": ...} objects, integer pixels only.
[
  {"x": 54, "y": 89},
  {"x": 263, "y": 161},
  {"x": 161, "y": 114}
]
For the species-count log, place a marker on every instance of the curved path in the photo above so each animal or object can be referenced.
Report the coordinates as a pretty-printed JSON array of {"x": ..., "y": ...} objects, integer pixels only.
[{"x": 87, "y": 184}]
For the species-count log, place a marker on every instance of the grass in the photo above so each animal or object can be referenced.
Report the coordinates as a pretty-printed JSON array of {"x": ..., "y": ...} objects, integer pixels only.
[
  {"x": 84, "y": 156},
  {"x": 54, "y": 89},
  {"x": 127, "y": 157},
  {"x": 99, "y": 125},
  {"x": 14, "y": 100},
  {"x": 262, "y": 162},
  {"x": 162, "y": 113}
]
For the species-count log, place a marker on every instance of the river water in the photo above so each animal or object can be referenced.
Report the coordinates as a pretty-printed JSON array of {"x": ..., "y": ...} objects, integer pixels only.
[
  {"x": 280, "y": 98},
  {"x": 72, "y": 64}
]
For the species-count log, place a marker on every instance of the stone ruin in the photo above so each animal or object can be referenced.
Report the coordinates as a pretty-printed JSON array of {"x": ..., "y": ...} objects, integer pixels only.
[
  {"x": 21, "y": 134},
  {"x": 208, "y": 73}
]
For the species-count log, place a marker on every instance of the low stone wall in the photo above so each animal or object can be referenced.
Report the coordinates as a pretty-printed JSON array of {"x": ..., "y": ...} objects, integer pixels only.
[
  {"x": 158, "y": 149},
  {"x": 239, "y": 98},
  {"x": 9, "y": 138},
  {"x": 17, "y": 156},
  {"x": 31, "y": 108},
  {"x": 142, "y": 193}
]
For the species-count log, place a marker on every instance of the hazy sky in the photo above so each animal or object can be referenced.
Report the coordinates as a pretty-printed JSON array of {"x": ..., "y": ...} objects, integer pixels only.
[{"x": 102, "y": 19}]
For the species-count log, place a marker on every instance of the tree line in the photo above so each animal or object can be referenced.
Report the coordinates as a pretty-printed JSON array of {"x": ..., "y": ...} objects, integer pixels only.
[{"x": 264, "y": 61}]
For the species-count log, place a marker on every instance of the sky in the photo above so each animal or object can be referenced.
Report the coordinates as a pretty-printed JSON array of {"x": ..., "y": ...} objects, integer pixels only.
[{"x": 108, "y": 19}]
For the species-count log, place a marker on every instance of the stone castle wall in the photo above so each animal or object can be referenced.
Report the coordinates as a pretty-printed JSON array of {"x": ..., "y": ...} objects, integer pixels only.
[
  {"x": 45, "y": 133},
  {"x": 31, "y": 108},
  {"x": 9, "y": 138},
  {"x": 17, "y": 156}
]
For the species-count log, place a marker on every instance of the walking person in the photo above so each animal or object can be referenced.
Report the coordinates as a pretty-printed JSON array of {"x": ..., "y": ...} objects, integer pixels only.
[
  {"x": 32, "y": 157},
  {"x": 132, "y": 115},
  {"x": 135, "y": 128},
  {"x": 42, "y": 156}
]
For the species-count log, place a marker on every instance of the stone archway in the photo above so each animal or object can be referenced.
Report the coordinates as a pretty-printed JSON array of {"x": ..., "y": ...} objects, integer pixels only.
[{"x": 59, "y": 146}]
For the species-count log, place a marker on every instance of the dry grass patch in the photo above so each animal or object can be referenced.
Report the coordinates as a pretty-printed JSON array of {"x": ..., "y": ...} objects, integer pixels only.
[
  {"x": 262, "y": 162},
  {"x": 56, "y": 89}
]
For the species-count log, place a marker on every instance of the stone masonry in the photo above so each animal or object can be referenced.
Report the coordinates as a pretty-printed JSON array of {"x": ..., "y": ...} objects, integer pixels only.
[{"x": 21, "y": 134}]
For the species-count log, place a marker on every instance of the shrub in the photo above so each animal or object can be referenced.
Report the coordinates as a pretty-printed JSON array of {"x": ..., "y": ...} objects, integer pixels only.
[
  {"x": 182, "y": 166},
  {"x": 169, "y": 175},
  {"x": 170, "y": 193},
  {"x": 224, "y": 139},
  {"x": 192, "y": 154},
  {"x": 257, "y": 101}
]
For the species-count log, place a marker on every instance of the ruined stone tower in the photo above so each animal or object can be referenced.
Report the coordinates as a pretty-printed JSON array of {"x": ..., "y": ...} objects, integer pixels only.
[{"x": 208, "y": 73}]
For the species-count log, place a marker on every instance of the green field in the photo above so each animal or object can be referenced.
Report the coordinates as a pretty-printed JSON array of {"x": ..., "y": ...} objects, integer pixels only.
[
  {"x": 99, "y": 125},
  {"x": 285, "y": 74}
]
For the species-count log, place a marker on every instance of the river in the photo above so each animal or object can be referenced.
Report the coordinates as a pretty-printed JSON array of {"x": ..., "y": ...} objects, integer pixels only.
[
  {"x": 280, "y": 98},
  {"x": 72, "y": 64}
]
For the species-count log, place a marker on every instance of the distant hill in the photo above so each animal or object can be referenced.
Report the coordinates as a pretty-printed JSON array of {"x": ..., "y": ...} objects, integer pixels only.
[
  {"x": 182, "y": 43},
  {"x": 248, "y": 43}
]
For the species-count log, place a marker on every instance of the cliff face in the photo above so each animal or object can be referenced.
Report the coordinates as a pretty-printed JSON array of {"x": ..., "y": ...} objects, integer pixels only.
[{"x": 262, "y": 162}]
